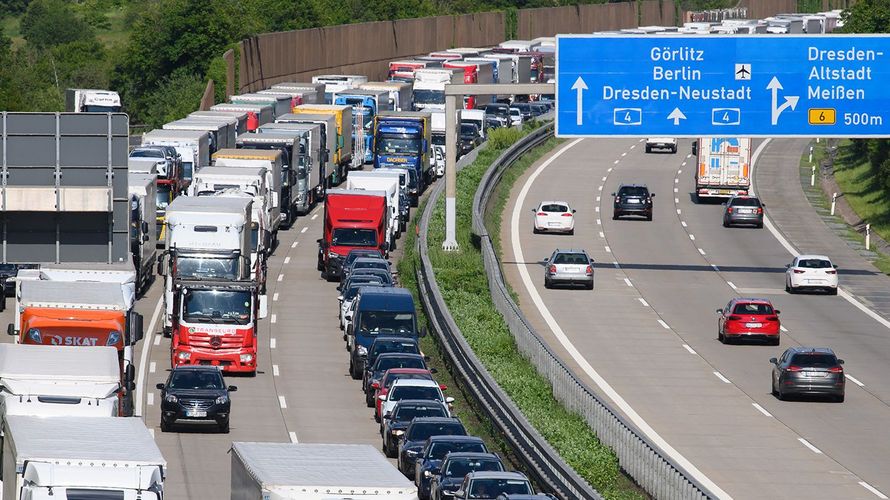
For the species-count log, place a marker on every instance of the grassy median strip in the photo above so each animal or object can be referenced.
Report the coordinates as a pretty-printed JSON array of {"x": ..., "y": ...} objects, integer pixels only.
[{"x": 462, "y": 279}]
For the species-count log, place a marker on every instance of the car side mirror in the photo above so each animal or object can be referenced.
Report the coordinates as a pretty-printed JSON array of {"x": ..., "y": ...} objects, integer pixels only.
[
  {"x": 426, "y": 358},
  {"x": 449, "y": 400},
  {"x": 232, "y": 388},
  {"x": 375, "y": 386},
  {"x": 652, "y": 195},
  {"x": 778, "y": 311},
  {"x": 835, "y": 266},
  {"x": 160, "y": 386},
  {"x": 443, "y": 387},
  {"x": 613, "y": 194},
  {"x": 135, "y": 320},
  {"x": 533, "y": 210},
  {"x": 339, "y": 298},
  {"x": 574, "y": 211},
  {"x": 388, "y": 416},
  {"x": 459, "y": 494},
  {"x": 840, "y": 361},
  {"x": 382, "y": 397},
  {"x": 723, "y": 204},
  {"x": 773, "y": 361},
  {"x": 719, "y": 311},
  {"x": 10, "y": 329},
  {"x": 263, "y": 306},
  {"x": 423, "y": 332},
  {"x": 433, "y": 370},
  {"x": 763, "y": 204},
  {"x": 787, "y": 266},
  {"x": 546, "y": 259}
]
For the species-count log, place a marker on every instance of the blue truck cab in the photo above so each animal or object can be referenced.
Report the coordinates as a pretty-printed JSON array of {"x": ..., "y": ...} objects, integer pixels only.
[
  {"x": 379, "y": 311},
  {"x": 366, "y": 104},
  {"x": 402, "y": 140}
]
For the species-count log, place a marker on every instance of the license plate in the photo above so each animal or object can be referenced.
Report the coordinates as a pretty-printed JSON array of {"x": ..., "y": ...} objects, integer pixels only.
[
  {"x": 816, "y": 374},
  {"x": 553, "y": 224},
  {"x": 745, "y": 211},
  {"x": 633, "y": 200},
  {"x": 753, "y": 325},
  {"x": 195, "y": 413}
]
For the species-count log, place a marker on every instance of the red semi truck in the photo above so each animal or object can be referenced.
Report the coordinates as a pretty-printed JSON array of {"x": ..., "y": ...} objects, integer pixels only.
[
  {"x": 352, "y": 219},
  {"x": 473, "y": 73}
]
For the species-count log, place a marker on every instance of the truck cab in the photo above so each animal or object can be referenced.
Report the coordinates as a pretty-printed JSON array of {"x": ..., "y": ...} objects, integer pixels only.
[
  {"x": 379, "y": 311},
  {"x": 429, "y": 87},
  {"x": 92, "y": 101},
  {"x": 352, "y": 219},
  {"x": 402, "y": 140},
  {"x": 366, "y": 104}
]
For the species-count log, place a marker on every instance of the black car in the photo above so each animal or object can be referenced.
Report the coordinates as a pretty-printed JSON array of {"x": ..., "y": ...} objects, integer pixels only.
[
  {"x": 525, "y": 109},
  {"x": 632, "y": 199},
  {"x": 386, "y": 345},
  {"x": 195, "y": 393},
  {"x": 358, "y": 253},
  {"x": 469, "y": 138},
  {"x": 808, "y": 371},
  {"x": 500, "y": 112},
  {"x": 419, "y": 430},
  {"x": 363, "y": 263},
  {"x": 404, "y": 412},
  {"x": 428, "y": 462},
  {"x": 373, "y": 373},
  {"x": 455, "y": 467}
]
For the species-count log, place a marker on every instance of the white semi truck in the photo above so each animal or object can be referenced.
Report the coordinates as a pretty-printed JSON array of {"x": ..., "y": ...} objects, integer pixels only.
[
  {"x": 143, "y": 189},
  {"x": 66, "y": 458},
  {"x": 723, "y": 166},
  {"x": 286, "y": 471},
  {"x": 429, "y": 87},
  {"x": 92, "y": 101}
]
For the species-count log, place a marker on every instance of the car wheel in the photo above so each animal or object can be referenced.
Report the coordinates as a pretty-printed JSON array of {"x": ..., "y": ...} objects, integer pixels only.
[
  {"x": 776, "y": 341},
  {"x": 772, "y": 387},
  {"x": 165, "y": 425},
  {"x": 224, "y": 426},
  {"x": 839, "y": 399},
  {"x": 832, "y": 291},
  {"x": 649, "y": 217},
  {"x": 720, "y": 336},
  {"x": 725, "y": 222},
  {"x": 674, "y": 150},
  {"x": 760, "y": 225},
  {"x": 781, "y": 395},
  {"x": 791, "y": 289},
  {"x": 787, "y": 288},
  {"x": 536, "y": 231},
  {"x": 547, "y": 283},
  {"x": 571, "y": 232},
  {"x": 589, "y": 286},
  {"x": 370, "y": 403},
  {"x": 648, "y": 149},
  {"x": 615, "y": 215}
]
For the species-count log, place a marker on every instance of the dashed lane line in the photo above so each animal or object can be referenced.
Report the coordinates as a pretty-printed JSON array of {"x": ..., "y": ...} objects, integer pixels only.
[{"x": 810, "y": 446}]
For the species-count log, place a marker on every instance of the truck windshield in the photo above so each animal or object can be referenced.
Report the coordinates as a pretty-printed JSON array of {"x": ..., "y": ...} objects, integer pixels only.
[
  {"x": 354, "y": 237},
  {"x": 395, "y": 145},
  {"x": 163, "y": 196},
  {"x": 217, "y": 306},
  {"x": 187, "y": 170},
  {"x": 207, "y": 268},
  {"x": 422, "y": 96},
  {"x": 438, "y": 139},
  {"x": 85, "y": 494},
  {"x": 376, "y": 322},
  {"x": 101, "y": 109}
]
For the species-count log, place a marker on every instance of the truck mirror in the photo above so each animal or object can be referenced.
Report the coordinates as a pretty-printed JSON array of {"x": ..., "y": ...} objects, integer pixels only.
[
  {"x": 425, "y": 145},
  {"x": 10, "y": 329},
  {"x": 263, "y": 306},
  {"x": 145, "y": 228},
  {"x": 130, "y": 375},
  {"x": 131, "y": 386},
  {"x": 135, "y": 320},
  {"x": 695, "y": 148}
]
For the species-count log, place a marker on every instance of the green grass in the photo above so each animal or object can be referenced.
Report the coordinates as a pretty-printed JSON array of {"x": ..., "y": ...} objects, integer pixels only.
[{"x": 462, "y": 279}]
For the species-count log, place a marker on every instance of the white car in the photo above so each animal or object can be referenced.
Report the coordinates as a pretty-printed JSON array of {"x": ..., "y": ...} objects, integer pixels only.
[
  {"x": 661, "y": 144},
  {"x": 412, "y": 388},
  {"x": 554, "y": 217},
  {"x": 515, "y": 117},
  {"x": 813, "y": 272}
]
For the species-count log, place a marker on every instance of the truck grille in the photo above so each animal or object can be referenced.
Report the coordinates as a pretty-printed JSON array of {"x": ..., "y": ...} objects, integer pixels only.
[{"x": 207, "y": 341}]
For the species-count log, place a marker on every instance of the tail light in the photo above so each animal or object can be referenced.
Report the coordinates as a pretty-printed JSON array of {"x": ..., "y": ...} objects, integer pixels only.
[
  {"x": 552, "y": 269},
  {"x": 772, "y": 318},
  {"x": 759, "y": 211},
  {"x": 794, "y": 368},
  {"x": 567, "y": 214},
  {"x": 831, "y": 271},
  {"x": 799, "y": 271},
  {"x": 541, "y": 214},
  {"x": 729, "y": 210},
  {"x": 589, "y": 270},
  {"x": 734, "y": 318},
  {"x": 836, "y": 369}
]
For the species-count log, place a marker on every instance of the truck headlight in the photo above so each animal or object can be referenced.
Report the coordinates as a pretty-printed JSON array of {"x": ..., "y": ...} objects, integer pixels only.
[
  {"x": 333, "y": 255},
  {"x": 246, "y": 358},
  {"x": 426, "y": 473},
  {"x": 222, "y": 400},
  {"x": 184, "y": 355},
  {"x": 113, "y": 338},
  {"x": 362, "y": 350},
  {"x": 171, "y": 398},
  {"x": 398, "y": 432},
  {"x": 34, "y": 336},
  {"x": 411, "y": 453}
]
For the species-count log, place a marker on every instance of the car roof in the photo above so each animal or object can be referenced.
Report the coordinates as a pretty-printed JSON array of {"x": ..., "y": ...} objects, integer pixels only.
[
  {"x": 417, "y": 382},
  {"x": 472, "y": 455},
  {"x": 571, "y": 250},
  {"x": 435, "y": 420},
  {"x": 197, "y": 368},
  {"x": 813, "y": 256},
  {"x": 365, "y": 251},
  {"x": 387, "y": 355},
  {"x": 466, "y": 439},
  {"x": 804, "y": 349},
  {"x": 394, "y": 338},
  {"x": 751, "y": 300},
  {"x": 633, "y": 185},
  {"x": 407, "y": 371},
  {"x": 389, "y": 298},
  {"x": 496, "y": 474},
  {"x": 421, "y": 402},
  {"x": 554, "y": 202}
]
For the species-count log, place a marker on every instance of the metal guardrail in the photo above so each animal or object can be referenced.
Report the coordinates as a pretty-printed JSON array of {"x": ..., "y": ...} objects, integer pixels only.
[
  {"x": 541, "y": 461},
  {"x": 650, "y": 467}
]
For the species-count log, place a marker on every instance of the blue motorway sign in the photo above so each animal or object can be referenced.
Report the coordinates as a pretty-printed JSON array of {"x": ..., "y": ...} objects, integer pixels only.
[{"x": 733, "y": 85}]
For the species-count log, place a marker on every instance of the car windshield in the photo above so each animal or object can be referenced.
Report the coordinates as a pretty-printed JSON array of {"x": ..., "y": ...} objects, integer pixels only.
[
  {"x": 814, "y": 263},
  {"x": 468, "y": 130},
  {"x": 217, "y": 306},
  {"x": 356, "y": 254},
  {"x": 387, "y": 383},
  {"x": 370, "y": 264},
  {"x": 398, "y": 146},
  {"x": 746, "y": 202},
  {"x": 554, "y": 208},
  {"x": 423, "y": 431},
  {"x": 814, "y": 360},
  {"x": 147, "y": 153},
  {"x": 385, "y": 363},
  {"x": 194, "y": 379},
  {"x": 198, "y": 267},
  {"x": 633, "y": 191},
  {"x": 571, "y": 258},
  {"x": 383, "y": 274},
  {"x": 376, "y": 322},
  {"x": 502, "y": 111},
  {"x": 400, "y": 392},
  {"x": 353, "y": 289},
  {"x": 462, "y": 467},
  {"x": 354, "y": 237},
  {"x": 163, "y": 196},
  {"x": 429, "y": 96},
  {"x": 490, "y": 488},
  {"x": 753, "y": 308},
  {"x": 439, "y": 450},
  {"x": 393, "y": 346},
  {"x": 408, "y": 413}
]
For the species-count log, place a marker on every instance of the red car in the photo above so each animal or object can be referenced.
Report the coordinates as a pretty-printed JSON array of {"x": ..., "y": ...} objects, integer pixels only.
[
  {"x": 390, "y": 376},
  {"x": 748, "y": 319}
]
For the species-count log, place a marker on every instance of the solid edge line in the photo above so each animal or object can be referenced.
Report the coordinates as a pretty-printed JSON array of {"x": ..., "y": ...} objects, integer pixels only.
[
  {"x": 854, "y": 380},
  {"x": 604, "y": 386},
  {"x": 143, "y": 357},
  {"x": 768, "y": 223},
  {"x": 873, "y": 490},
  {"x": 761, "y": 409},
  {"x": 293, "y": 437},
  {"x": 810, "y": 446},
  {"x": 722, "y": 378}
]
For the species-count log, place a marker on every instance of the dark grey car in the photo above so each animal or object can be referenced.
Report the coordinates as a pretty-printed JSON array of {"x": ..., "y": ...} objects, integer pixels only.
[
  {"x": 568, "y": 267},
  {"x": 743, "y": 210},
  {"x": 632, "y": 199},
  {"x": 808, "y": 371}
]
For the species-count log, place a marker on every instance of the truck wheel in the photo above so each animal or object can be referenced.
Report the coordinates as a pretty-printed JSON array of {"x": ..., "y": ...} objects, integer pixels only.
[{"x": 319, "y": 266}]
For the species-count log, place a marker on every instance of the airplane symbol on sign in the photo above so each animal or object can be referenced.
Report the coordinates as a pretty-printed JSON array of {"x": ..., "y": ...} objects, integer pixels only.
[{"x": 742, "y": 71}]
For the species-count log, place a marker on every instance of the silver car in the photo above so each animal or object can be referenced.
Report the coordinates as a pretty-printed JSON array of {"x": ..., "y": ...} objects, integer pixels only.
[
  {"x": 568, "y": 267},
  {"x": 743, "y": 210}
]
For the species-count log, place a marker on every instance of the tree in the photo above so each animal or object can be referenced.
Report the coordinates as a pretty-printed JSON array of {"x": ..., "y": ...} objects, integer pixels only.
[
  {"x": 13, "y": 7},
  {"x": 49, "y": 23},
  {"x": 175, "y": 97},
  {"x": 867, "y": 16}
]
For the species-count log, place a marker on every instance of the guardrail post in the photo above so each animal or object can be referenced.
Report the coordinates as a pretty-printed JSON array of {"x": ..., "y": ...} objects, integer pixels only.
[{"x": 450, "y": 243}]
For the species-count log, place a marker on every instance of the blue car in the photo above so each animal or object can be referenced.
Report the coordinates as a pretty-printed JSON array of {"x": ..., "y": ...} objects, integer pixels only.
[{"x": 455, "y": 467}]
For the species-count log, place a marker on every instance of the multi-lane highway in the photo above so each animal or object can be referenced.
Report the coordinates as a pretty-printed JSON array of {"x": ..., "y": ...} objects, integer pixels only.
[{"x": 646, "y": 336}]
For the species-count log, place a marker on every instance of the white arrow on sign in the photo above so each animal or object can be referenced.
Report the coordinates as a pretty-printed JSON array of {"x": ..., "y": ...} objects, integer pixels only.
[
  {"x": 790, "y": 101},
  {"x": 579, "y": 86},
  {"x": 676, "y": 115}
]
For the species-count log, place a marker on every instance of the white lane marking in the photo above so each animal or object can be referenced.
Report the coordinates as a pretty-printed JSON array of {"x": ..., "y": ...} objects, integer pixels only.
[
  {"x": 304, "y": 230},
  {"x": 663, "y": 324},
  {"x": 722, "y": 378},
  {"x": 274, "y": 318},
  {"x": 609, "y": 169},
  {"x": 678, "y": 211},
  {"x": 272, "y": 343},
  {"x": 790, "y": 248},
  {"x": 854, "y": 380},
  {"x": 810, "y": 446},
  {"x": 683, "y": 223},
  {"x": 689, "y": 156},
  {"x": 714, "y": 266},
  {"x": 676, "y": 200},
  {"x": 623, "y": 154},
  {"x": 682, "y": 165},
  {"x": 597, "y": 208},
  {"x": 609, "y": 250},
  {"x": 680, "y": 171},
  {"x": 732, "y": 285},
  {"x": 691, "y": 350},
  {"x": 641, "y": 140},
  {"x": 275, "y": 371},
  {"x": 287, "y": 260},
  {"x": 692, "y": 237},
  {"x": 607, "y": 389},
  {"x": 314, "y": 217},
  {"x": 643, "y": 301},
  {"x": 598, "y": 198},
  {"x": 616, "y": 162},
  {"x": 275, "y": 297},
  {"x": 676, "y": 181},
  {"x": 873, "y": 490},
  {"x": 783, "y": 328},
  {"x": 602, "y": 235},
  {"x": 761, "y": 409},
  {"x": 293, "y": 245},
  {"x": 616, "y": 264},
  {"x": 604, "y": 179},
  {"x": 633, "y": 146},
  {"x": 627, "y": 280},
  {"x": 152, "y": 367},
  {"x": 599, "y": 222},
  {"x": 600, "y": 188},
  {"x": 281, "y": 402},
  {"x": 293, "y": 437},
  {"x": 280, "y": 277},
  {"x": 701, "y": 251},
  {"x": 676, "y": 190},
  {"x": 143, "y": 358},
  {"x": 150, "y": 399}
]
